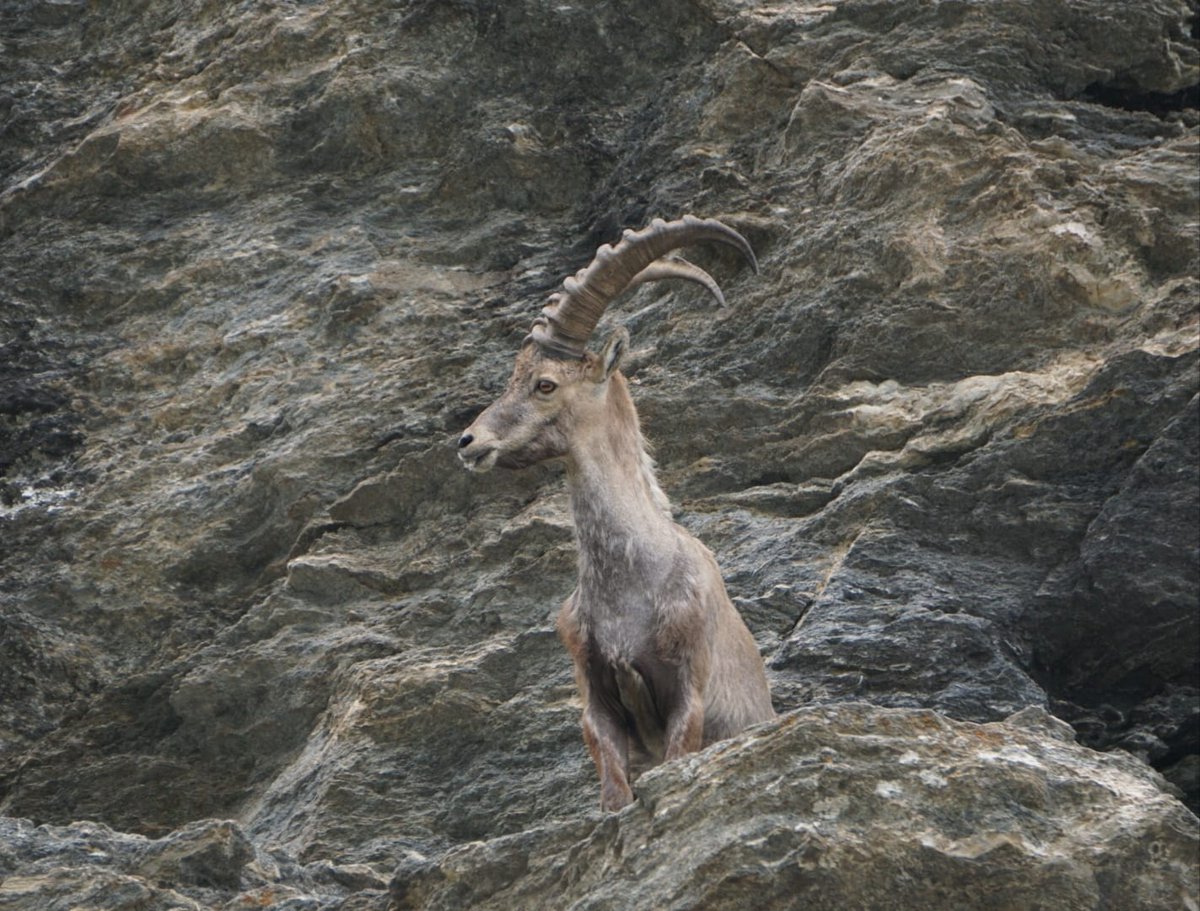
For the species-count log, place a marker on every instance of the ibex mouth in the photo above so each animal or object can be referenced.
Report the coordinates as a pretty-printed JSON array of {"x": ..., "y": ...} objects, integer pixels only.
[{"x": 482, "y": 461}]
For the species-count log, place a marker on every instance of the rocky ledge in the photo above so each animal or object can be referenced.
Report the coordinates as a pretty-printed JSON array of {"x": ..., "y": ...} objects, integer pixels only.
[{"x": 845, "y": 806}]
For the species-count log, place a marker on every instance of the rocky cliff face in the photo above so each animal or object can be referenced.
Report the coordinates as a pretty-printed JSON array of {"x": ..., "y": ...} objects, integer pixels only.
[{"x": 260, "y": 262}]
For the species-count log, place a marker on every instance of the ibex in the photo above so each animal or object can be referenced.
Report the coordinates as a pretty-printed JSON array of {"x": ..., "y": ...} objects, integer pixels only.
[{"x": 663, "y": 662}]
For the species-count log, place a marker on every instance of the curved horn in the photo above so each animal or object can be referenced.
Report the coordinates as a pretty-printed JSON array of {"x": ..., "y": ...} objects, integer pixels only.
[
  {"x": 675, "y": 267},
  {"x": 568, "y": 319}
]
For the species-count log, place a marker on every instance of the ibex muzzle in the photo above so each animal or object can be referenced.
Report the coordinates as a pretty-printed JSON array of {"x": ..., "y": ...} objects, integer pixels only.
[{"x": 663, "y": 661}]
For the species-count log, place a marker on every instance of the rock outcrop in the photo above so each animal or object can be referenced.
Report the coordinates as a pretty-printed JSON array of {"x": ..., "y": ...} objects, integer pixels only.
[
  {"x": 262, "y": 640},
  {"x": 852, "y": 807}
]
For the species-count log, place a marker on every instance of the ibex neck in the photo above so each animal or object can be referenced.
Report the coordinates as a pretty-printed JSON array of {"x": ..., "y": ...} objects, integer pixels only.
[{"x": 622, "y": 517}]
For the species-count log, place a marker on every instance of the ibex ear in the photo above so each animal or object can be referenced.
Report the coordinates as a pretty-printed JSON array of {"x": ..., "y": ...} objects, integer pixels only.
[{"x": 614, "y": 350}]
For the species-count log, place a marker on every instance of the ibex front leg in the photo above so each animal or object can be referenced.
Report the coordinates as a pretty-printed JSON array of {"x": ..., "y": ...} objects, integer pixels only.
[
  {"x": 608, "y": 742},
  {"x": 685, "y": 724},
  {"x": 683, "y": 644}
]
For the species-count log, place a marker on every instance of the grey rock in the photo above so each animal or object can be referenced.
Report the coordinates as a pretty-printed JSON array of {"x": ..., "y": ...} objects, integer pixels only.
[
  {"x": 206, "y": 864},
  {"x": 200, "y": 854},
  {"x": 854, "y": 806}
]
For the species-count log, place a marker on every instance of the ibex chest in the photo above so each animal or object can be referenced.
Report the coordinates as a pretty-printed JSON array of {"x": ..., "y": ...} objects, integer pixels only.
[
  {"x": 621, "y": 595},
  {"x": 617, "y": 626}
]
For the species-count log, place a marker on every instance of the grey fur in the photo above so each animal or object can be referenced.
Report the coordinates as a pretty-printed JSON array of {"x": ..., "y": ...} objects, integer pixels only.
[{"x": 663, "y": 661}]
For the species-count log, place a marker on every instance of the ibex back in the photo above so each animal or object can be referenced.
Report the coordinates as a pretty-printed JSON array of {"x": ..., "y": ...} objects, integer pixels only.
[{"x": 663, "y": 661}]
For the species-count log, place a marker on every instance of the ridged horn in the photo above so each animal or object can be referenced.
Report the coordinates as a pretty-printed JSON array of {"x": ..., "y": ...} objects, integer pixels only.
[
  {"x": 676, "y": 267},
  {"x": 568, "y": 320}
]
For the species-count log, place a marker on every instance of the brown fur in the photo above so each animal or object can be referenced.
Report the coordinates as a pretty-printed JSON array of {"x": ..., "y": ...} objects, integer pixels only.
[{"x": 663, "y": 661}]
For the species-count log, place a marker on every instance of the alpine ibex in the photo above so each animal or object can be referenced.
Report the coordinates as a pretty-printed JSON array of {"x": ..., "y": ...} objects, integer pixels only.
[{"x": 662, "y": 659}]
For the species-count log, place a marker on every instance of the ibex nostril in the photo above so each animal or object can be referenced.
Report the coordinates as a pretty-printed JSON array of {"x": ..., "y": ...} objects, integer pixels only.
[{"x": 465, "y": 440}]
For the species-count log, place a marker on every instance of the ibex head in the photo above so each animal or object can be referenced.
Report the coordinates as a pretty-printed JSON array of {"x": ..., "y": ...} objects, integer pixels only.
[{"x": 558, "y": 385}]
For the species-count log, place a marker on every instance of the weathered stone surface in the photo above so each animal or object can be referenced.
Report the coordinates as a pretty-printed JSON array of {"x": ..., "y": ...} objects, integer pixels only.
[
  {"x": 854, "y": 807},
  {"x": 260, "y": 262},
  {"x": 208, "y": 864}
]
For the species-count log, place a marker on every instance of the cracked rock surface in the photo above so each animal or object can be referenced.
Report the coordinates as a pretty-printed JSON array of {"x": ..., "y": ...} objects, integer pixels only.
[{"x": 264, "y": 643}]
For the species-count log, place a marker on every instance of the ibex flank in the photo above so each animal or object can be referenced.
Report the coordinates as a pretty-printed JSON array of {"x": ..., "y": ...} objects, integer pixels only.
[{"x": 663, "y": 661}]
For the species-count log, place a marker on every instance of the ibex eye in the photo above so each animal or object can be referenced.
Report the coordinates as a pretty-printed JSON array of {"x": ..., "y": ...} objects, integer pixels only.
[{"x": 545, "y": 387}]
